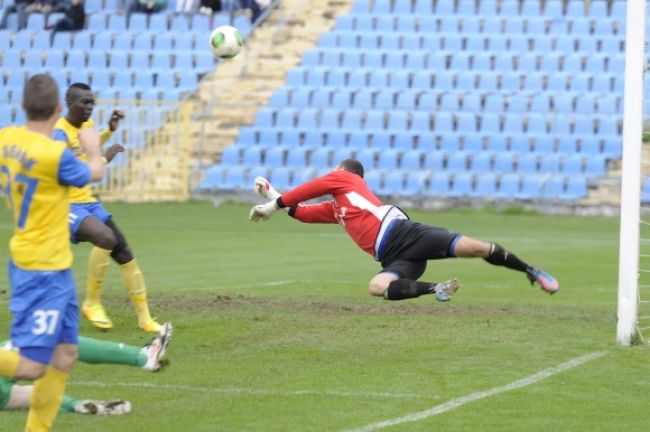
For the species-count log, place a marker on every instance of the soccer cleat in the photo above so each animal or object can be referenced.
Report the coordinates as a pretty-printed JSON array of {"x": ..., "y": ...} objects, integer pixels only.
[
  {"x": 446, "y": 290},
  {"x": 96, "y": 314},
  {"x": 545, "y": 280},
  {"x": 150, "y": 326},
  {"x": 113, "y": 407},
  {"x": 264, "y": 189},
  {"x": 155, "y": 350}
]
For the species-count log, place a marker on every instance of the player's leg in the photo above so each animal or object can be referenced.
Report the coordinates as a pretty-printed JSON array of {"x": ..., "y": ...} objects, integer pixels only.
[
  {"x": 150, "y": 357},
  {"x": 85, "y": 226},
  {"x": 398, "y": 281},
  {"x": 58, "y": 325},
  {"x": 47, "y": 395},
  {"x": 495, "y": 254},
  {"x": 132, "y": 279},
  {"x": 17, "y": 396}
]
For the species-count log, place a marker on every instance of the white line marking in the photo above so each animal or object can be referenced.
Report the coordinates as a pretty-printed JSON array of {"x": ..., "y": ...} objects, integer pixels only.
[
  {"x": 455, "y": 403},
  {"x": 234, "y": 390},
  {"x": 278, "y": 283}
]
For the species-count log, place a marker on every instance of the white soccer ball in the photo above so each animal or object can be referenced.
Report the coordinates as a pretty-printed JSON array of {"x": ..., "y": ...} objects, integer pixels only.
[{"x": 226, "y": 41}]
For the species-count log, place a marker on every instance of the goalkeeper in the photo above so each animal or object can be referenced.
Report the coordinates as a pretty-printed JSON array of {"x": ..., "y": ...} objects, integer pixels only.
[
  {"x": 402, "y": 246},
  {"x": 93, "y": 351}
]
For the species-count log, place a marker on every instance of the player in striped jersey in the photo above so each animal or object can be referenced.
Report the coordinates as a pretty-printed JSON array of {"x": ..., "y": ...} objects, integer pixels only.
[{"x": 402, "y": 246}]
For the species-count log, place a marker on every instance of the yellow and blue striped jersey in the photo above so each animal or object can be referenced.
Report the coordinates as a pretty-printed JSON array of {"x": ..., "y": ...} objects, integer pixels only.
[
  {"x": 35, "y": 173},
  {"x": 69, "y": 134}
]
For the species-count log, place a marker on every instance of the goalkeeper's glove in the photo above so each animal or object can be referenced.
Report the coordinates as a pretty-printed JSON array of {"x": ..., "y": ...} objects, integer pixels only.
[
  {"x": 264, "y": 189},
  {"x": 262, "y": 211}
]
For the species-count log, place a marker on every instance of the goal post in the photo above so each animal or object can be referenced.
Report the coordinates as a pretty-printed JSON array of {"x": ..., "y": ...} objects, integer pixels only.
[{"x": 628, "y": 267}]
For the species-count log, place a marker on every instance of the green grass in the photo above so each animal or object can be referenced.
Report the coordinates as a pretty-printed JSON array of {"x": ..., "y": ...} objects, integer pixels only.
[{"x": 275, "y": 330}]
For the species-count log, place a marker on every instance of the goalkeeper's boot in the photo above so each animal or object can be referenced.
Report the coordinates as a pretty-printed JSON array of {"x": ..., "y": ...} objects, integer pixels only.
[
  {"x": 96, "y": 314},
  {"x": 113, "y": 407},
  {"x": 545, "y": 280},
  {"x": 150, "y": 325},
  {"x": 156, "y": 349},
  {"x": 446, "y": 290}
]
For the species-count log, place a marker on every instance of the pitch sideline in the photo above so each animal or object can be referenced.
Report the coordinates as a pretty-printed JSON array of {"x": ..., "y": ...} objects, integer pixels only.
[{"x": 235, "y": 390}]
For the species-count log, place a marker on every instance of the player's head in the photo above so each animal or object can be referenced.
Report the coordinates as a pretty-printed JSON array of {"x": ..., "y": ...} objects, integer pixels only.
[
  {"x": 80, "y": 101},
  {"x": 351, "y": 165},
  {"x": 41, "y": 98}
]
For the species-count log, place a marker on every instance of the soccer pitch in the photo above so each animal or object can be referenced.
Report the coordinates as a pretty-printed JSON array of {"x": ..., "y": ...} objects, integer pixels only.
[{"x": 275, "y": 331}]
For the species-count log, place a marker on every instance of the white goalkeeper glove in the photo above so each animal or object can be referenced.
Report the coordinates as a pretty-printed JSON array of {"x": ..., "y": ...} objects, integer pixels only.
[
  {"x": 262, "y": 211},
  {"x": 264, "y": 189}
]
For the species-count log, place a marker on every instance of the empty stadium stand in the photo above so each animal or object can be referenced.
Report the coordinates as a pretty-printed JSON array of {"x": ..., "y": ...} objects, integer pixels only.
[{"x": 507, "y": 100}]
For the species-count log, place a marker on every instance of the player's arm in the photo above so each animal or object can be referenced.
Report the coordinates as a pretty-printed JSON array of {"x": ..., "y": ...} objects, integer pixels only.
[
  {"x": 113, "y": 124},
  {"x": 72, "y": 171},
  {"x": 325, "y": 185},
  {"x": 314, "y": 213},
  {"x": 90, "y": 142}
]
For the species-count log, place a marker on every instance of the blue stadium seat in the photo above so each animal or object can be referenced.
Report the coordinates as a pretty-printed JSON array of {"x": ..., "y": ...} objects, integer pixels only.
[
  {"x": 472, "y": 102},
  {"x": 549, "y": 164},
  {"x": 531, "y": 188},
  {"x": 351, "y": 119},
  {"x": 434, "y": 160},
  {"x": 367, "y": 157},
  {"x": 359, "y": 139},
  {"x": 422, "y": 80},
  {"x": 138, "y": 22},
  {"x": 519, "y": 143},
  {"x": 554, "y": 9},
  {"x": 466, "y": 7},
  {"x": 553, "y": 187},
  {"x": 462, "y": 185},
  {"x": 497, "y": 143},
  {"x": 118, "y": 60},
  {"x": 33, "y": 60},
  {"x": 412, "y": 160},
  {"x": 380, "y": 141},
  {"x": 516, "y": 103},
  {"x": 117, "y": 23},
  {"x": 573, "y": 164},
  {"x": 388, "y": 159},
  {"x": 481, "y": 162},
  {"x": 62, "y": 40},
  {"x": 473, "y": 143},
  {"x": 404, "y": 141},
  {"x": 54, "y": 60},
  {"x": 576, "y": 187},
  {"x": 596, "y": 166},
  {"x": 527, "y": 163},
  {"x": 486, "y": 186},
  {"x": 439, "y": 184},
  {"x": 158, "y": 23},
  {"x": 508, "y": 186},
  {"x": 275, "y": 156},
  {"x": 231, "y": 156},
  {"x": 457, "y": 162},
  {"x": 96, "y": 23},
  {"x": 213, "y": 178},
  {"x": 374, "y": 120},
  {"x": 504, "y": 162},
  {"x": 235, "y": 178}
]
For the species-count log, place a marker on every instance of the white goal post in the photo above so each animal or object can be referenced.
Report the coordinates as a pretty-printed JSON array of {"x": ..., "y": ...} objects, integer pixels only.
[{"x": 628, "y": 265}]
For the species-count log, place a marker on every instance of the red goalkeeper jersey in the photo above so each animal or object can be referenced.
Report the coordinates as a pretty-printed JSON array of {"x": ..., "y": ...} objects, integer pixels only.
[{"x": 364, "y": 217}]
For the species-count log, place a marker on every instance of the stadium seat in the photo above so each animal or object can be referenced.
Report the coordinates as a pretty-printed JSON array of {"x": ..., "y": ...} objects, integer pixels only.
[
  {"x": 439, "y": 185},
  {"x": 486, "y": 186},
  {"x": 531, "y": 188},
  {"x": 462, "y": 185}
]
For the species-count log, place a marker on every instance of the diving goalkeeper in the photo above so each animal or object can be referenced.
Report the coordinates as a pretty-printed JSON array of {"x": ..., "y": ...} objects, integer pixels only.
[{"x": 385, "y": 232}]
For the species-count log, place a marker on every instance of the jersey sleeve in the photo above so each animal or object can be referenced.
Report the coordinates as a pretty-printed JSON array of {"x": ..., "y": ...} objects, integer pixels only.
[
  {"x": 73, "y": 172},
  {"x": 314, "y": 213},
  {"x": 60, "y": 135},
  {"x": 325, "y": 185},
  {"x": 105, "y": 135}
]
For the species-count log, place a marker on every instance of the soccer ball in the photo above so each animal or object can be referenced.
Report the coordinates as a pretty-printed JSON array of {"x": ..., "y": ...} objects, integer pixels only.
[{"x": 226, "y": 41}]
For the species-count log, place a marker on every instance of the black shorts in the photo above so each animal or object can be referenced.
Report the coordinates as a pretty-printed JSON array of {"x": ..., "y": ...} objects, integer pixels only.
[{"x": 410, "y": 245}]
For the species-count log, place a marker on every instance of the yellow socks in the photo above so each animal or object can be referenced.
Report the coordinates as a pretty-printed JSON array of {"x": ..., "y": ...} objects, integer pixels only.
[
  {"x": 46, "y": 400},
  {"x": 8, "y": 363},
  {"x": 98, "y": 261},
  {"x": 134, "y": 283}
]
